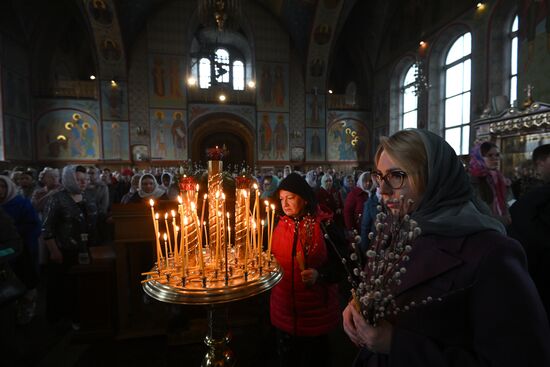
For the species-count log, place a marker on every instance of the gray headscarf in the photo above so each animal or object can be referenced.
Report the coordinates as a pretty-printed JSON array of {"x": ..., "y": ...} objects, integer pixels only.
[
  {"x": 68, "y": 179},
  {"x": 448, "y": 206}
]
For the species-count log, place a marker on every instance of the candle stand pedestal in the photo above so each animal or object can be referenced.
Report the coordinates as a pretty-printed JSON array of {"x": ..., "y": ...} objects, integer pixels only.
[{"x": 215, "y": 293}]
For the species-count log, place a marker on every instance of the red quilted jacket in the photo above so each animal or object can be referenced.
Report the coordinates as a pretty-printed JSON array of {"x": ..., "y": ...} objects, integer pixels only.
[{"x": 295, "y": 308}]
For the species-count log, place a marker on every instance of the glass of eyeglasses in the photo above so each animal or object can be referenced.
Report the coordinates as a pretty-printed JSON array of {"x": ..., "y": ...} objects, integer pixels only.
[{"x": 394, "y": 179}]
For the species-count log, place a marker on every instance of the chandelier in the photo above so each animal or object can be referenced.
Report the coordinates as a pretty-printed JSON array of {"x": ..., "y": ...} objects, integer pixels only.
[
  {"x": 420, "y": 77},
  {"x": 223, "y": 14}
]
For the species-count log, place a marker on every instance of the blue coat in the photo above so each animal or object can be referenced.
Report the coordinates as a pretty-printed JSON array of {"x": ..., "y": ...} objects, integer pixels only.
[
  {"x": 28, "y": 226},
  {"x": 489, "y": 314},
  {"x": 367, "y": 220}
]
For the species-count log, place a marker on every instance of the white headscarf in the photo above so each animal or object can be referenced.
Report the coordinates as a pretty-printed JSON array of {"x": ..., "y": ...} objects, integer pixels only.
[
  {"x": 311, "y": 179},
  {"x": 360, "y": 182},
  {"x": 157, "y": 191}
]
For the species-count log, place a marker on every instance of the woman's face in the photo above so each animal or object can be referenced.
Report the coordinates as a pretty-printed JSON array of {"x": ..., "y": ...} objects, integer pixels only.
[
  {"x": 367, "y": 182},
  {"x": 291, "y": 203},
  {"x": 328, "y": 183},
  {"x": 396, "y": 183},
  {"x": 351, "y": 182},
  {"x": 81, "y": 180},
  {"x": 147, "y": 185},
  {"x": 492, "y": 158}
]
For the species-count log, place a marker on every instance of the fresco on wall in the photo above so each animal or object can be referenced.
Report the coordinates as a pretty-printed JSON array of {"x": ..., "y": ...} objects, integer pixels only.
[
  {"x": 16, "y": 94},
  {"x": 18, "y": 133},
  {"x": 315, "y": 110},
  {"x": 348, "y": 140},
  {"x": 315, "y": 144},
  {"x": 113, "y": 100},
  {"x": 116, "y": 144},
  {"x": 168, "y": 134},
  {"x": 198, "y": 110},
  {"x": 272, "y": 87},
  {"x": 272, "y": 136},
  {"x": 67, "y": 135},
  {"x": 534, "y": 50},
  {"x": 166, "y": 81}
]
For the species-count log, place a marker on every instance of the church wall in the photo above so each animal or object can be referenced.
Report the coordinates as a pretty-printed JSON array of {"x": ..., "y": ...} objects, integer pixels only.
[{"x": 15, "y": 130}]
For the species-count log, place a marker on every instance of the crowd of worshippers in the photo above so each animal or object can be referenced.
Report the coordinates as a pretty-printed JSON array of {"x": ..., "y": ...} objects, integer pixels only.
[{"x": 72, "y": 205}]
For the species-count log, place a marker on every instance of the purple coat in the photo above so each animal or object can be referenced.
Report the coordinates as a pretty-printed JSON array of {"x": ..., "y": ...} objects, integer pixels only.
[{"x": 489, "y": 314}]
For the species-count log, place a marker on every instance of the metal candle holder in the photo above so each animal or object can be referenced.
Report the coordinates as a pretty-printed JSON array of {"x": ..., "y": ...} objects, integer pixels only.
[{"x": 213, "y": 275}]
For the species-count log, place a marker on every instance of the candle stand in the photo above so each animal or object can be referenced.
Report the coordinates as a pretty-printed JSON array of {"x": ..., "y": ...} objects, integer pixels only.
[
  {"x": 224, "y": 259},
  {"x": 215, "y": 295}
]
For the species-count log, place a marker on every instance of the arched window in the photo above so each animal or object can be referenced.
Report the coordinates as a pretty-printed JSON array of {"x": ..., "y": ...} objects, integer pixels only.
[
  {"x": 204, "y": 73},
  {"x": 409, "y": 99},
  {"x": 458, "y": 65},
  {"x": 238, "y": 75},
  {"x": 514, "y": 61},
  {"x": 221, "y": 65}
]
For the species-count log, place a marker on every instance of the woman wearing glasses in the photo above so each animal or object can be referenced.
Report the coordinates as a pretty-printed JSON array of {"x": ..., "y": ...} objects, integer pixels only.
[{"x": 486, "y": 311}]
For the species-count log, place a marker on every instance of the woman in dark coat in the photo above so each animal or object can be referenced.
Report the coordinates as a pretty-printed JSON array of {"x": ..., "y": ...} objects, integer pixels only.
[{"x": 481, "y": 307}]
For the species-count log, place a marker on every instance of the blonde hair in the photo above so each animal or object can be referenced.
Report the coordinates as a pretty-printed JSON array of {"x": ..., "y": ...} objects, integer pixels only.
[{"x": 407, "y": 149}]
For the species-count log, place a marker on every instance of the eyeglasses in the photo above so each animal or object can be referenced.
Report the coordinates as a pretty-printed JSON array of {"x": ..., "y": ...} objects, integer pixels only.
[{"x": 394, "y": 179}]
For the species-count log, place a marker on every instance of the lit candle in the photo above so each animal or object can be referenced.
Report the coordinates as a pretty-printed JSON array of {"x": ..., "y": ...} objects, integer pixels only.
[
  {"x": 205, "y": 197},
  {"x": 270, "y": 234},
  {"x": 185, "y": 244},
  {"x": 227, "y": 248},
  {"x": 247, "y": 223},
  {"x": 165, "y": 248},
  {"x": 167, "y": 232},
  {"x": 174, "y": 226},
  {"x": 155, "y": 228},
  {"x": 157, "y": 235},
  {"x": 261, "y": 241}
]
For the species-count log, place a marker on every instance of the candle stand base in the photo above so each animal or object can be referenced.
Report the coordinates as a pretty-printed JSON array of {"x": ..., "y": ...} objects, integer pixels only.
[{"x": 219, "y": 354}]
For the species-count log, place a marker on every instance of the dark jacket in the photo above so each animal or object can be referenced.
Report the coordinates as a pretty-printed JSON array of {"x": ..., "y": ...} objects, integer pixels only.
[
  {"x": 531, "y": 226},
  {"x": 65, "y": 221},
  {"x": 353, "y": 208},
  {"x": 489, "y": 312}
]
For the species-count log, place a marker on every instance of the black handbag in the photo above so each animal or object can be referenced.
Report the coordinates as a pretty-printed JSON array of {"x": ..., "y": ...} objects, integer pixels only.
[{"x": 11, "y": 287}]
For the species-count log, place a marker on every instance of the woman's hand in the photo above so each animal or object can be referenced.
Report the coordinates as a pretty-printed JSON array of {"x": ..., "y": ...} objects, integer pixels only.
[
  {"x": 376, "y": 339},
  {"x": 309, "y": 276}
]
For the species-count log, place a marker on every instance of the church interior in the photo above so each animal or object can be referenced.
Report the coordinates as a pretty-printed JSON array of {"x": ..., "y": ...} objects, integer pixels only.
[{"x": 153, "y": 84}]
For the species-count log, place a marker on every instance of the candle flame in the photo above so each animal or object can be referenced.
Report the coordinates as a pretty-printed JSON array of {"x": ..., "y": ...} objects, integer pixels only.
[
  {"x": 156, "y": 216},
  {"x": 266, "y": 203},
  {"x": 177, "y": 228},
  {"x": 166, "y": 215},
  {"x": 217, "y": 194},
  {"x": 180, "y": 200},
  {"x": 219, "y": 213},
  {"x": 223, "y": 196},
  {"x": 205, "y": 196},
  {"x": 272, "y": 206},
  {"x": 197, "y": 187},
  {"x": 227, "y": 214},
  {"x": 245, "y": 193},
  {"x": 151, "y": 202},
  {"x": 165, "y": 236},
  {"x": 263, "y": 222},
  {"x": 255, "y": 186},
  {"x": 173, "y": 212}
]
